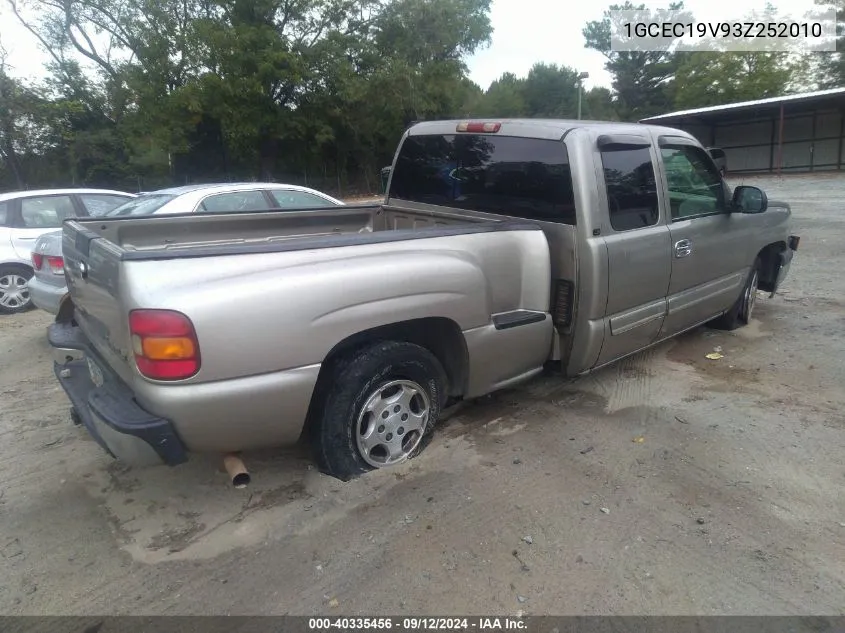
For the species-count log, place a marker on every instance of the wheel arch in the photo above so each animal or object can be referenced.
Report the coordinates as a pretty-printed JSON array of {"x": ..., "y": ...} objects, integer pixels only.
[
  {"x": 439, "y": 335},
  {"x": 17, "y": 264},
  {"x": 769, "y": 263}
]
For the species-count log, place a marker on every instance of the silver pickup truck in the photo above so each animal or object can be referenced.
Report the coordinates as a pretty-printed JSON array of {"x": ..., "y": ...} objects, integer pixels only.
[{"x": 501, "y": 246}]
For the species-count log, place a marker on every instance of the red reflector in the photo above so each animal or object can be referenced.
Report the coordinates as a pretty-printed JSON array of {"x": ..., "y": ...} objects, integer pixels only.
[
  {"x": 56, "y": 264},
  {"x": 150, "y": 325},
  {"x": 479, "y": 127},
  {"x": 37, "y": 260},
  {"x": 166, "y": 369}
]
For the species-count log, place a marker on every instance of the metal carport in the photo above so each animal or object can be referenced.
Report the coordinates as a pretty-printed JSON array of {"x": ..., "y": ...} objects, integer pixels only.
[{"x": 795, "y": 133}]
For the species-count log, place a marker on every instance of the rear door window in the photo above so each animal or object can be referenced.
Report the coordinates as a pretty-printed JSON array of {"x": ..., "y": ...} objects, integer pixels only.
[
  {"x": 292, "y": 199},
  {"x": 631, "y": 187},
  {"x": 253, "y": 200},
  {"x": 46, "y": 212},
  {"x": 98, "y": 204},
  {"x": 4, "y": 213},
  {"x": 142, "y": 205},
  {"x": 519, "y": 177}
]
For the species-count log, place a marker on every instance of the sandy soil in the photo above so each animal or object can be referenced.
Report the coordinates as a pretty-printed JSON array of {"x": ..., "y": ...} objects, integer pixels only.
[{"x": 667, "y": 484}]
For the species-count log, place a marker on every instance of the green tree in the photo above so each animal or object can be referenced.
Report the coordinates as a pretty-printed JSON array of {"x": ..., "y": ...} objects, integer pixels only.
[
  {"x": 551, "y": 91},
  {"x": 829, "y": 68},
  {"x": 642, "y": 80},
  {"x": 720, "y": 78},
  {"x": 504, "y": 98},
  {"x": 598, "y": 105},
  {"x": 215, "y": 89}
]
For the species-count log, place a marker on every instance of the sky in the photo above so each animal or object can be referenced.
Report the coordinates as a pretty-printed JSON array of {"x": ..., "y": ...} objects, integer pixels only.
[{"x": 524, "y": 32}]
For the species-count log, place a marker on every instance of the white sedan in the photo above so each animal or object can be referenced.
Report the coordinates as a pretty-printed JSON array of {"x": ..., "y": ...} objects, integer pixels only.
[
  {"x": 225, "y": 198},
  {"x": 48, "y": 287},
  {"x": 27, "y": 215}
]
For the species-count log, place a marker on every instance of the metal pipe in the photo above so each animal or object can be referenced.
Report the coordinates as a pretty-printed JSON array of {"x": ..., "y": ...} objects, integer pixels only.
[
  {"x": 580, "y": 88},
  {"x": 236, "y": 469}
]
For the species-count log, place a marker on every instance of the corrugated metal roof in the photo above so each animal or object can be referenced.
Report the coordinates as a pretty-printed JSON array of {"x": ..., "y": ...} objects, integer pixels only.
[{"x": 804, "y": 96}]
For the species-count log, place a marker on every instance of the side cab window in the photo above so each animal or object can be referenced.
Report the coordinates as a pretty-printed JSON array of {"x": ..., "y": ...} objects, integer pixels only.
[
  {"x": 629, "y": 181},
  {"x": 695, "y": 185}
]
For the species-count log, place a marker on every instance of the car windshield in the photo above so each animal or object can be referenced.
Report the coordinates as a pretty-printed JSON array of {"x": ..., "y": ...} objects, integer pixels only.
[{"x": 142, "y": 205}]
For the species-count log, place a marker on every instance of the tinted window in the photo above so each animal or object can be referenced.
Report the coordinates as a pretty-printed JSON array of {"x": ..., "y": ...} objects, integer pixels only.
[
  {"x": 98, "y": 204},
  {"x": 142, "y": 205},
  {"x": 631, "y": 188},
  {"x": 695, "y": 187},
  {"x": 4, "y": 213},
  {"x": 521, "y": 177},
  {"x": 235, "y": 201},
  {"x": 288, "y": 199},
  {"x": 46, "y": 212}
]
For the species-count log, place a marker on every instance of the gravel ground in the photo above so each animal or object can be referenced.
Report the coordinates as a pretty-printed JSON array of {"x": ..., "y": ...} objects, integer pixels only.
[{"x": 666, "y": 484}]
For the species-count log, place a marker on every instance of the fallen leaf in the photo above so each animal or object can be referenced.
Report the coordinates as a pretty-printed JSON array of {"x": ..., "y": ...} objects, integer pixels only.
[
  {"x": 638, "y": 440},
  {"x": 714, "y": 356}
]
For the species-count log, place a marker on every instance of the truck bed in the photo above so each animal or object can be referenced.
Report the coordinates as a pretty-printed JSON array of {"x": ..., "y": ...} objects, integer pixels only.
[{"x": 197, "y": 235}]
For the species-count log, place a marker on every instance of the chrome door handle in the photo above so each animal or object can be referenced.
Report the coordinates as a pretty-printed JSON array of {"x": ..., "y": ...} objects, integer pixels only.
[
  {"x": 82, "y": 267},
  {"x": 683, "y": 248}
]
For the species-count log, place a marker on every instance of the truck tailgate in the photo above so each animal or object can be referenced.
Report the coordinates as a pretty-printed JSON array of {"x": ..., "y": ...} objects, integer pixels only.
[{"x": 92, "y": 268}]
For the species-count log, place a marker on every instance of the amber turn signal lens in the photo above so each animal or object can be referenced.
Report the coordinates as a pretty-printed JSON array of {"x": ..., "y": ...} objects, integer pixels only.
[{"x": 175, "y": 348}]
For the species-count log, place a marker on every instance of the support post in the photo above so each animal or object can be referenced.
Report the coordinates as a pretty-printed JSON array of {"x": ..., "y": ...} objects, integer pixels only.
[
  {"x": 780, "y": 140},
  {"x": 813, "y": 141},
  {"x": 772, "y": 146}
]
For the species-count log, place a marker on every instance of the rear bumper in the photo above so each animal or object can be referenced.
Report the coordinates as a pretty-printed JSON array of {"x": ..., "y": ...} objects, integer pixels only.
[
  {"x": 109, "y": 412},
  {"x": 46, "y": 296}
]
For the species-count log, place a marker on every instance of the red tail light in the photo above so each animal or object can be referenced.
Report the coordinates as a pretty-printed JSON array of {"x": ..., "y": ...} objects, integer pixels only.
[
  {"x": 165, "y": 344},
  {"x": 56, "y": 264}
]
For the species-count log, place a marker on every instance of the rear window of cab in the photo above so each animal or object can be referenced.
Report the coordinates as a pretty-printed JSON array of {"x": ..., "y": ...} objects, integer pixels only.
[{"x": 512, "y": 176}]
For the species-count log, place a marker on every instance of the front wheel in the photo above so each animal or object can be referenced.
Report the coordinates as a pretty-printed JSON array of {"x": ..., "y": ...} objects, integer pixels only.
[
  {"x": 740, "y": 312},
  {"x": 14, "y": 289},
  {"x": 378, "y": 409}
]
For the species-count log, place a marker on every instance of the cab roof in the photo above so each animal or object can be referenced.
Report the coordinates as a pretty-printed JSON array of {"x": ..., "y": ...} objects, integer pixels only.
[{"x": 552, "y": 129}]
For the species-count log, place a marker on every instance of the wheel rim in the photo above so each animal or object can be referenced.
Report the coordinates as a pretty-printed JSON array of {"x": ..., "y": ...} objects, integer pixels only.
[
  {"x": 751, "y": 296},
  {"x": 14, "y": 291},
  {"x": 392, "y": 423}
]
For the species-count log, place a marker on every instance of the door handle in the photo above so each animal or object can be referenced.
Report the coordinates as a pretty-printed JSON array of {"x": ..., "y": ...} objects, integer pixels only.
[{"x": 683, "y": 248}]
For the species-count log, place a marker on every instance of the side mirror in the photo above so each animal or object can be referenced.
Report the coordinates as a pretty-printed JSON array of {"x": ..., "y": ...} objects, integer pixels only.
[{"x": 747, "y": 199}]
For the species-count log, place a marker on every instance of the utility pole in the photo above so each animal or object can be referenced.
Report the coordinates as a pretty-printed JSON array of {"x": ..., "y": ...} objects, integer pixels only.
[{"x": 581, "y": 77}]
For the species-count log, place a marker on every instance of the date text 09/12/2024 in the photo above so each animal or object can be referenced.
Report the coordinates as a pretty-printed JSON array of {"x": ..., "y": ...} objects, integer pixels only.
[{"x": 416, "y": 624}]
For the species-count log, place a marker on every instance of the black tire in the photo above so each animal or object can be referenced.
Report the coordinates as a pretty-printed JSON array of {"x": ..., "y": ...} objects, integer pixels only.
[
  {"x": 740, "y": 312},
  {"x": 351, "y": 383},
  {"x": 12, "y": 271}
]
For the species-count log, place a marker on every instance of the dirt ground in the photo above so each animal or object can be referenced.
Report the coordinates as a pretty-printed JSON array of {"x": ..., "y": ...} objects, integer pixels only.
[{"x": 541, "y": 499}]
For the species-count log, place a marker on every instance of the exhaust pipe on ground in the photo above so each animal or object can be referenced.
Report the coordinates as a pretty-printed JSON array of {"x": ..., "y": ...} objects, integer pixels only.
[{"x": 236, "y": 469}]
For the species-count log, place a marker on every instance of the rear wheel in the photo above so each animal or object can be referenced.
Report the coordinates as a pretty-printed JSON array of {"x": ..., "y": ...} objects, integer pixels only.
[
  {"x": 741, "y": 311},
  {"x": 378, "y": 409},
  {"x": 14, "y": 289}
]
